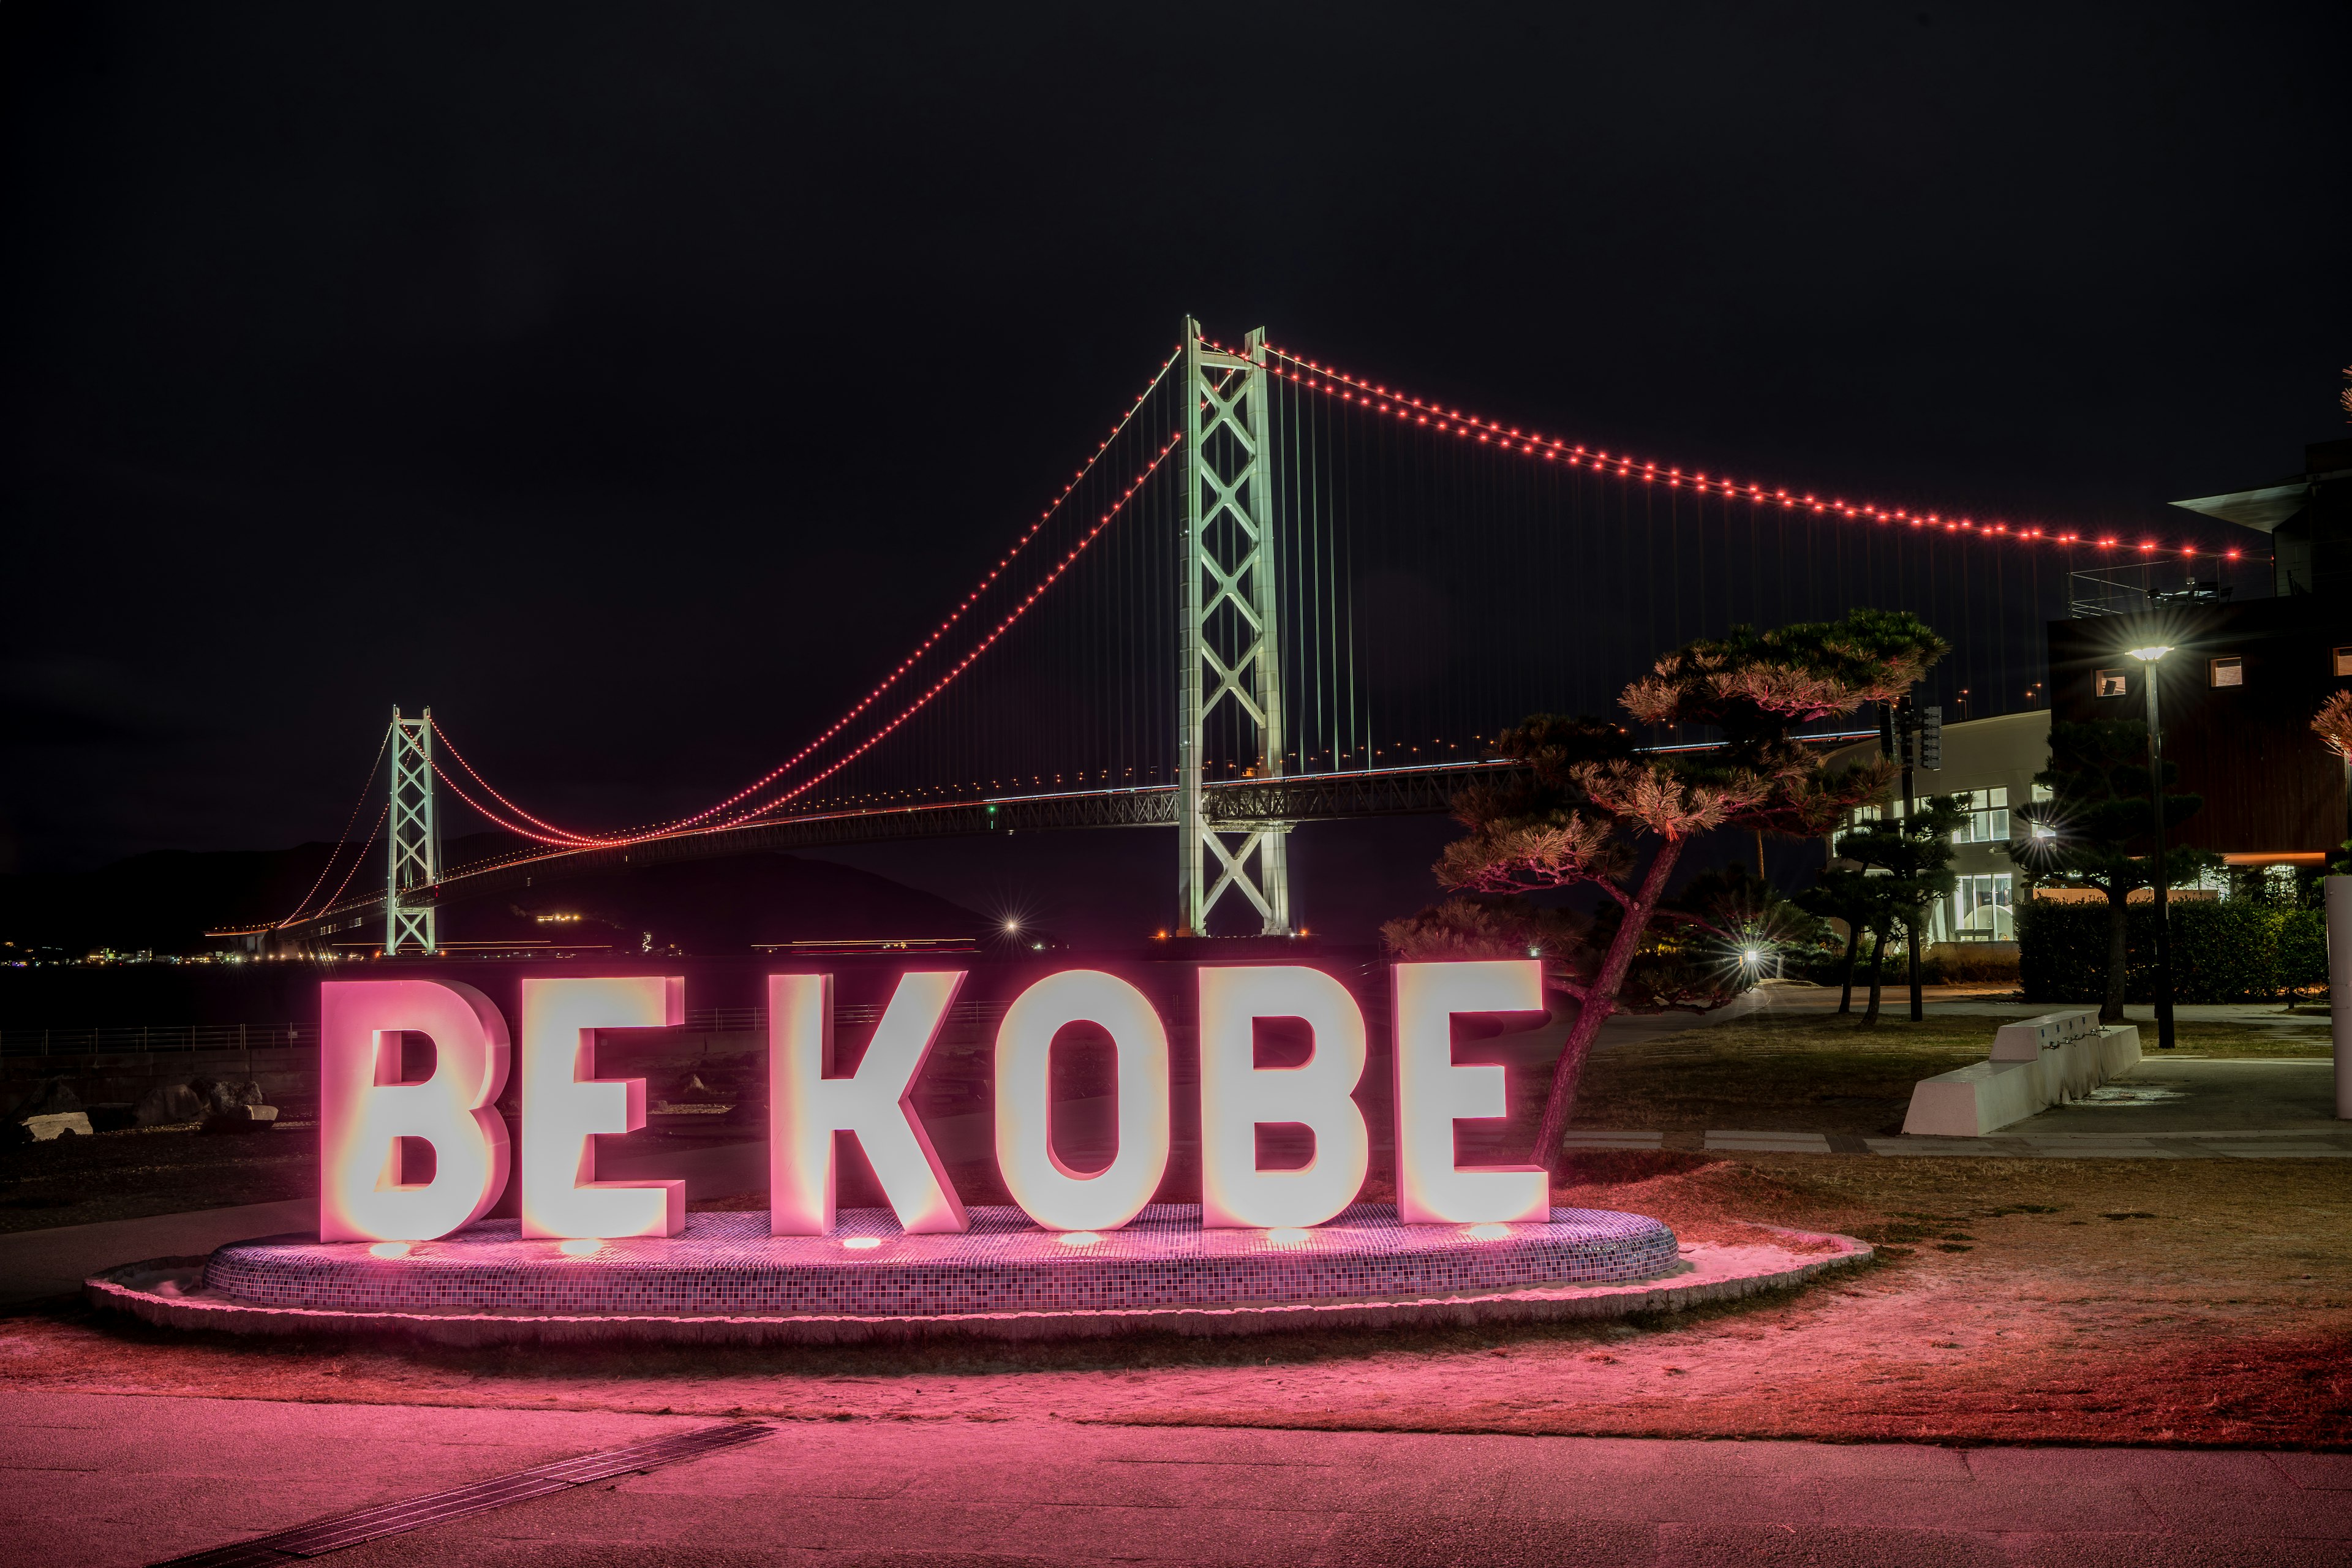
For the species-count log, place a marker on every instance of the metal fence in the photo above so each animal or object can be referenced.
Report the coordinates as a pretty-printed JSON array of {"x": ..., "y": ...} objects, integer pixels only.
[
  {"x": 733, "y": 1020},
  {"x": 142, "y": 1038},
  {"x": 191, "y": 1038}
]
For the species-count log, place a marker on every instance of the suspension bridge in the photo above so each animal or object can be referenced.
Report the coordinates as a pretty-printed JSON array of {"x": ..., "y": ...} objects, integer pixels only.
[{"x": 1276, "y": 593}]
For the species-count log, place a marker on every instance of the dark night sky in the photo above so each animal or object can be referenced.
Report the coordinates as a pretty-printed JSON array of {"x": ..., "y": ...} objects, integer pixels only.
[{"x": 630, "y": 382}]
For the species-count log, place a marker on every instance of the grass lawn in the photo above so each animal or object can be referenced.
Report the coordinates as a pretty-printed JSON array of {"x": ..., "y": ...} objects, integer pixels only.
[
  {"x": 2189, "y": 1301},
  {"x": 1812, "y": 1072},
  {"x": 149, "y": 1171}
]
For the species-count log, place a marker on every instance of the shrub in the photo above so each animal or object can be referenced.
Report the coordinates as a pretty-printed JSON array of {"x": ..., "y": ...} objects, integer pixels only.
[
  {"x": 1966, "y": 963},
  {"x": 2229, "y": 951},
  {"x": 2303, "y": 952}
]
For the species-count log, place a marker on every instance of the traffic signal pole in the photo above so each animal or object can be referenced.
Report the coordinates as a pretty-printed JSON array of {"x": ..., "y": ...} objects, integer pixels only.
[
  {"x": 1906, "y": 733},
  {"x": 1915, "y": 736}
]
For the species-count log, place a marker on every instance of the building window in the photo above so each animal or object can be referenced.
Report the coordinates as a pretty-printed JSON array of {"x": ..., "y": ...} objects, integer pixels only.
[
  {"x": 2229, "y": 671},
  {"x": 2343, "y": 661},
  {"x": 2114, "y": 683},
  {"x": 1981, "y": 911},
  {"x": 1988, "y": 820}
]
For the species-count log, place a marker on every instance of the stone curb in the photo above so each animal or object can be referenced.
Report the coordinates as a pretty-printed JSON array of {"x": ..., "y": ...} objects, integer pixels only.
[{"x": 1736, "y": 1272}]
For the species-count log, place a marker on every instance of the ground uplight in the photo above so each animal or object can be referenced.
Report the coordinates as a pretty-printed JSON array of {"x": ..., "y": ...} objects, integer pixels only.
[
  {"x": 1080, "y": 1239},
  {"x": 580, "y": 1246},
  {"x": 1489, "y": 1232},
  {"x": 862, "y": 1243},
  {"x": 389, "y": 1250},
  {"x": 1286, "y": 1236}
]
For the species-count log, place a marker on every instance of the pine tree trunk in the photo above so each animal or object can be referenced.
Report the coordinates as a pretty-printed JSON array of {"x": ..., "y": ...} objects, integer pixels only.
[
  {"x": 1599, "y": 1002},
  {"x": 1878, "y": 974},
  {"x": 2111, "y": 1011},
  {"x": 1845, "y": 970}
]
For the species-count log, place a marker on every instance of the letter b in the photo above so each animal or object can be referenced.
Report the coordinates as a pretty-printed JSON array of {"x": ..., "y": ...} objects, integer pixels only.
[{"x": 364, "y": 1109}]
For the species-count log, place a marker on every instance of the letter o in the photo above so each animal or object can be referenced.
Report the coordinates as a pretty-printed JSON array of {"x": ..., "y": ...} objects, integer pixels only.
[{"x": 1053, "y": 1194}]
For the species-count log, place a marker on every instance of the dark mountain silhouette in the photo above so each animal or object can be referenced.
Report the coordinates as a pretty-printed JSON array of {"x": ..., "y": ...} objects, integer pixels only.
[{"x": 164, "y": 902}]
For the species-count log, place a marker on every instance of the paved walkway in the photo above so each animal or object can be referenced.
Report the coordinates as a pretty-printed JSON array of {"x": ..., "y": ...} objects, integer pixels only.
[
  {"x": 36, "y": 1265},
  {"x": 2218, "y": 1145},
  {"x": 1951, "y": 1001},
  {"x": 2166, "y": 1107},
  {"x": 121, "y": 1479}
]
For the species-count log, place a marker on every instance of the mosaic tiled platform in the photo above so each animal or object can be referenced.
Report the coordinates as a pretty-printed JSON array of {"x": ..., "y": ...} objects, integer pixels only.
[{"x": 727, "y": 1264}]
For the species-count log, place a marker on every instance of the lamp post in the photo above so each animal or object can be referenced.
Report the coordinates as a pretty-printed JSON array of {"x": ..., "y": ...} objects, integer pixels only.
[{"x": 2148, "y": 657}]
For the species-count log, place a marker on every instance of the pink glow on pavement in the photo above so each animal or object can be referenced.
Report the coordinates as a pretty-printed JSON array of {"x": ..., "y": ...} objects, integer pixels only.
[
  {"x": 364, "y": 1108},
  {"x": 565, "y": 1107}
]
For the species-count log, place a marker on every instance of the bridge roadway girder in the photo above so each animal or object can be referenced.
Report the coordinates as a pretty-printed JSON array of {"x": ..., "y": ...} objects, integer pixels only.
[{"x": 1232, "y": 806}]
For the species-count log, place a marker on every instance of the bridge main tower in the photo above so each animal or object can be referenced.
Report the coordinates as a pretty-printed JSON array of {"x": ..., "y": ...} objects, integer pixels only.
[
  {"x": 1229, "y": 648},
  {"x": 415, "y": 839}
]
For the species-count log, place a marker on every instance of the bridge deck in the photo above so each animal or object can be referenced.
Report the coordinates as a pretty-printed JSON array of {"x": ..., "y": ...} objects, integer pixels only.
[{"x": 1235, "y": 805}]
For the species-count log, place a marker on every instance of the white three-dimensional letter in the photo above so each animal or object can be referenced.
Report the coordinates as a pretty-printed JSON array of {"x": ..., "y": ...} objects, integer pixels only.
[
  {"x": 805, "y": 1107},
  {"x": 1237, "y": 1095}
]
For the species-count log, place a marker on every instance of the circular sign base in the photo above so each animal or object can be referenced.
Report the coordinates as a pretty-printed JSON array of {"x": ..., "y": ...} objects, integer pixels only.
[{"x": 725, "y": 1279}]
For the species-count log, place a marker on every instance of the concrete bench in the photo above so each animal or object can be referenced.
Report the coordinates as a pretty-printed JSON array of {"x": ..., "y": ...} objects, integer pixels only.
[{"x": 2034, "y": 1065}]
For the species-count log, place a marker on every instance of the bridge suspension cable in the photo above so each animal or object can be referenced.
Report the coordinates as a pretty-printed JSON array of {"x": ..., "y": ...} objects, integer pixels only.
[
  {"x": 1397, "y": 404},
  {"x": 358, "y": 803},
  {"x": 723, "y": 812}
]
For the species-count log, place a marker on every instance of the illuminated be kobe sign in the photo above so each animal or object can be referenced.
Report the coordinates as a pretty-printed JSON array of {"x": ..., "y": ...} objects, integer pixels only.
[{"x": 365, "y": 1109}]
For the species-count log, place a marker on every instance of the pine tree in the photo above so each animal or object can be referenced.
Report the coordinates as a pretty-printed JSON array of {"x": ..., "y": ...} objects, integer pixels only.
[
  {"x": 1903, "y": 865},
  {"x": 1843, "y": 893},
  {"x": 1589, "y": 810},
  {"x": 2099, "y": 810}
]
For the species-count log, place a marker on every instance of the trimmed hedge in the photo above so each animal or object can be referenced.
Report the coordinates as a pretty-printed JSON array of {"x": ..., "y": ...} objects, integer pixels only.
[
  {"x": 2303, "y": 951},
  {"x": 2224, "y": 951}
]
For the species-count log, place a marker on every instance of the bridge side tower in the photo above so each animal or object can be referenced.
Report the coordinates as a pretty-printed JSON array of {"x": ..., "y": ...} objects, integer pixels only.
[
  {"x": 1228, "y": 646},
  {"x": 415, "y": 838}
]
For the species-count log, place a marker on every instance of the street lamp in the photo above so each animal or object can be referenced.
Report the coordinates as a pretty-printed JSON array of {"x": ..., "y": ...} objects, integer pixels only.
[{"x": 2149, "y": 656}]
